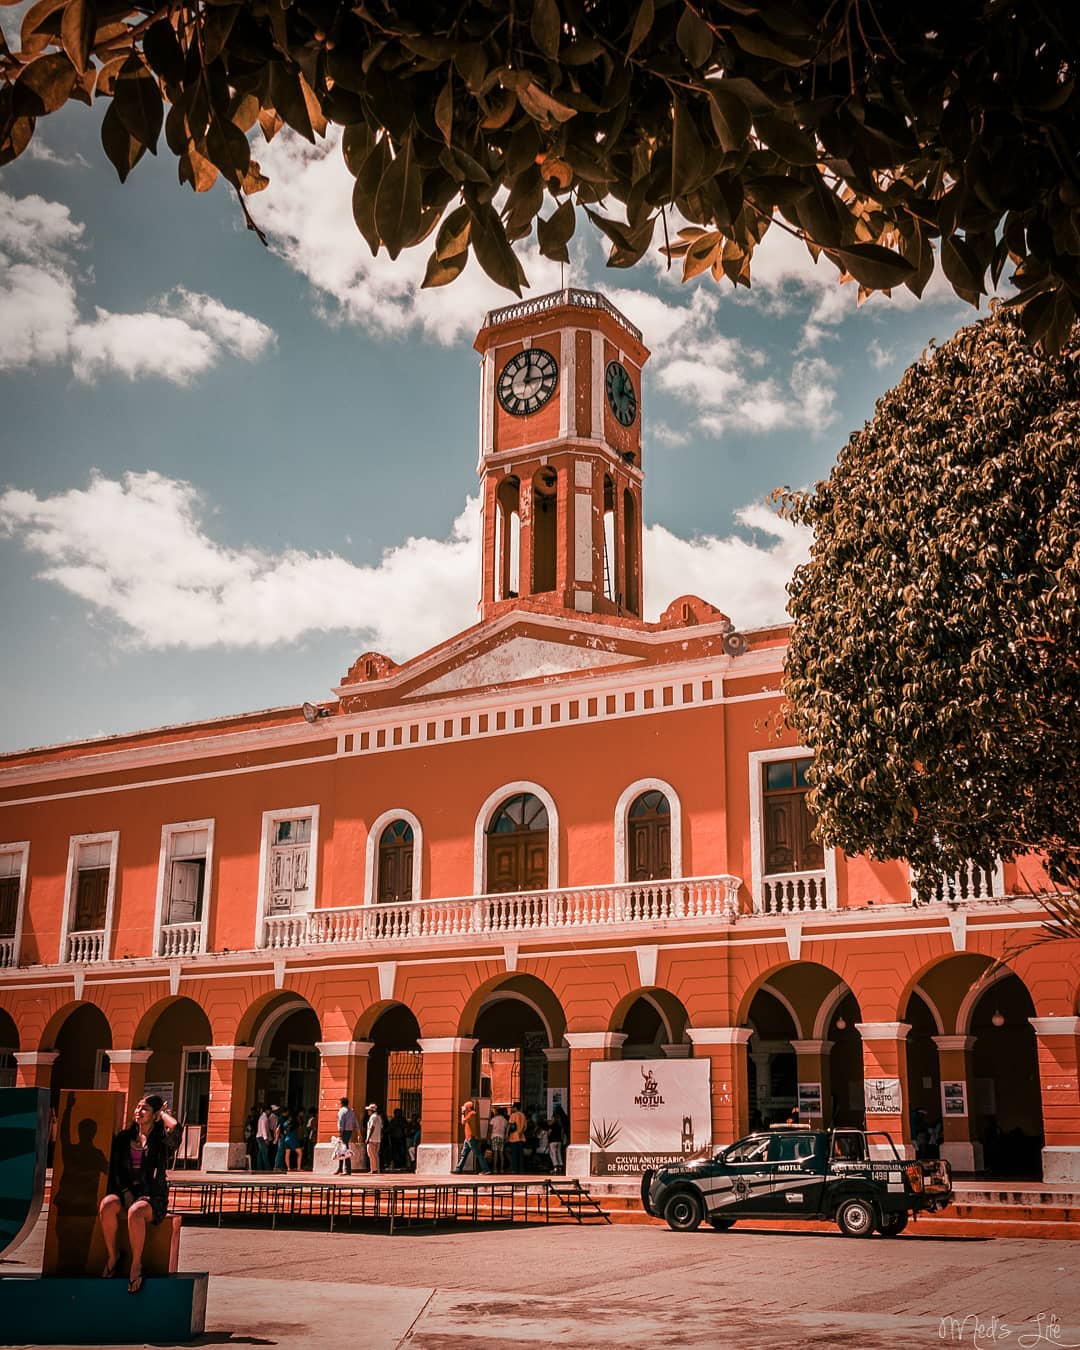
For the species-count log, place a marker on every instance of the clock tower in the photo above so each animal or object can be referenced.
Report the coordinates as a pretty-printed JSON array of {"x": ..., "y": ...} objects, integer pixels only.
[{"x": 560, "y": 457}]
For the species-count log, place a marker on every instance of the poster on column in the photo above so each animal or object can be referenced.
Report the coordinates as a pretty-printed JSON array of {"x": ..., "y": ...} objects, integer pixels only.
[
  {"x": 883, "y": 1097},
  {"x": 809, "y": 1100},
  {"x": 648, "y": 1112}
]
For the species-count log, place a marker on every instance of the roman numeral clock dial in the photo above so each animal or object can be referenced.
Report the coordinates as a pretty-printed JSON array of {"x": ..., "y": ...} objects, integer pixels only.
[
  {"x": 620, "y": 393},
  {"x": 527, "y": 381}
]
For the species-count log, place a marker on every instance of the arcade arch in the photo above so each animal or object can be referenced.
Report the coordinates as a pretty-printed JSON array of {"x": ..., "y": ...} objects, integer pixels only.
[
  {"x": 179, "y": 1066},
  {"x": 82, "y": 1041},
  {"x": 395, "y": 1066},
  {"x": 518, "y": 1027},
  {"x": 9, "y": 1044},
  {"x": 285, "y": 1036},
  {"x": 651, "y": 1020},
  {"x": 1005, "y": 1103}
]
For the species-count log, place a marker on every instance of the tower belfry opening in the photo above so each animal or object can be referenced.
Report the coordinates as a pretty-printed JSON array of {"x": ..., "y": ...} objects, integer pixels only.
[{"x": 560, "y": 457}]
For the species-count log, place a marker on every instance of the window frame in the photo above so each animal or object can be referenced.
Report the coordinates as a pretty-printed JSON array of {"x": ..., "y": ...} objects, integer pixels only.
[
  {"x": 270, "y": 820},
  {"x": 371, "y": 853},
  {"x": 75, "y": 842},
  {"x": 21, "y": 846},
  {"x": 167, "y": 833},
  {"x": 756, "y": 761},
  {"x": 627, "y": 798},
  {"x": 486, "y": 815}
]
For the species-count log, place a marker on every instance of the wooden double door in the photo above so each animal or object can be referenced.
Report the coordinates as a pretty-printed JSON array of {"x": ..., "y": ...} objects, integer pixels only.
[{"x": 518, "y": 861}]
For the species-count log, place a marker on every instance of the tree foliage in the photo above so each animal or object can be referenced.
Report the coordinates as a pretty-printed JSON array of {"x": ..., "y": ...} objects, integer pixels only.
[
  {"x": 934, "y": 665},
  {"x": 876, "y": 132}
]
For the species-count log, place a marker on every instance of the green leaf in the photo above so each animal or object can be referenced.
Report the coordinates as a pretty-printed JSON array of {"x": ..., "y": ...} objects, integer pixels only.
[
  {"x": 730, "y": 118},
  {"x": 453, "y": 236},
  {"x": 397, "y": 203},
  {"x": 44, "y": 85},
  {"x": 218, "y": 21},
  {"x": 555, "y": 233},
  {"x": 492, "y": 248},
  {"x": 123, "y": 149},
  {"x": 546, "y": 27},
  {"x": 960, "y": 265},
  {"x": 138, "y": 103},
  {"x": 227, "y": 147},
  {"x": 873, "y": 266},
  {"x": 444, "y": 110},
  {"x": 785, "y": 139},
  {"x": 365, "y": 190},
  {"x": 542, "y": 107},
  {"x": 695, "y": 38},
  {"x": 441, "y": 271},
  {"x": 643, "y": 22},
  {"x": 287, "y": 97},
  {"x": 77, "y": 32},
  {"x": 701, "y": 254},
  {"x": 162, "y": 50},
  {"x": 357, "y": 142},
  {"x": 687, "y": 151}
]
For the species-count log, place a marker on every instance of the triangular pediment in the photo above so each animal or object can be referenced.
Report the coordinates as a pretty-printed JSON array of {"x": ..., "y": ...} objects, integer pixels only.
[{"x": 518, "y": 658}]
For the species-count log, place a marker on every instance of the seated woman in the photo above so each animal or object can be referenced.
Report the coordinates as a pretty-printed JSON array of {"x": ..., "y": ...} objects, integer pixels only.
[{"x": 137, "y": 1183}]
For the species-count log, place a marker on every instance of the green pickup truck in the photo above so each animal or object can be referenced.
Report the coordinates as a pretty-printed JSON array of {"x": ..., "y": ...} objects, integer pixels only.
[{"x": 851, "y": 1177}]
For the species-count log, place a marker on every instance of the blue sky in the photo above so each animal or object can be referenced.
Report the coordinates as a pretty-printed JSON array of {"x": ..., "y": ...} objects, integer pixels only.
[{"x": 227, "y": 470}]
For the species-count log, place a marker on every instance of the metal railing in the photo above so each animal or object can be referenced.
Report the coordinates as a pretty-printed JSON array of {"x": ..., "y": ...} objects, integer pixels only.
[
  {"x": 540, "y": 303},
  {"x": 498, "y": 916},
  {"x": 86, "y": 947},
  {"x": 180, "y": 939},
  {"x": 795, "y": 893}
]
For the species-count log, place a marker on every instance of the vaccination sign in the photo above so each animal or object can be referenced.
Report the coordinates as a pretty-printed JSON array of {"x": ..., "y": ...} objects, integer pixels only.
[{"x": 648, "y": 1112}]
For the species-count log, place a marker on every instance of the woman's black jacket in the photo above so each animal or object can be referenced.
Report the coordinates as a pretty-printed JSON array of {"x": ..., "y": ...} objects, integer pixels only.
[{"x": 153, "y": 1185}]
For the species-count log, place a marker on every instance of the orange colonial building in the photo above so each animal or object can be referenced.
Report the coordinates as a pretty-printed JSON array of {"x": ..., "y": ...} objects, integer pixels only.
[{"x": 561, "y": 836}]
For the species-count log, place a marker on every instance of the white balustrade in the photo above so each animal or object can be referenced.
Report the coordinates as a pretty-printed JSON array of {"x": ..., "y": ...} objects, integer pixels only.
[
  {"x": 181, "y": 939},
  {"x": 972, "y": 882},
  {"x": 795, "y": 893},
  {"x": 7, "y": 952},
  {"x": 635, "y": 903},
  {"x": 86, "y": 946}
]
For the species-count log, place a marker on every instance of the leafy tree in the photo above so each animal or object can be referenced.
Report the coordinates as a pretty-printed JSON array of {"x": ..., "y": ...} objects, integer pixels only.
[
  {"x": 876, "y": 132},
  {"x": 934, "y": 665}
]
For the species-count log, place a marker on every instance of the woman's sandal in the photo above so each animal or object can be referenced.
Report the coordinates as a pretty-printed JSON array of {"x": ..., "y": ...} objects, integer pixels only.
[
  {"x": 135, "y": 1283},
  {"x": 109, "y": 1271}
]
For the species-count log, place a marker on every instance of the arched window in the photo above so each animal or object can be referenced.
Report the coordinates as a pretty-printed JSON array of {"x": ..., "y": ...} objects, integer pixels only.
[
  {"x": 611, "y": 564},
  {"x": 631, "y": 600},
  {"x": 648, "y": 838},
  {"x": 517, "y": 845},
  {"x": 508, "y": 540},
  {"x": 395, "y": 863},
  {"x": 545, "y": 529}
]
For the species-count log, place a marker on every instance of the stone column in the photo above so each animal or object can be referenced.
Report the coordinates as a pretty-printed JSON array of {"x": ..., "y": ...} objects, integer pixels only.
[
  {"x": 586, "y": 1048},
  {"x": 127, "y": 1074},
  {"x": 725, "y": 1048},
  {"x": 558, "y": 1073},
  {"x": 1059, "y": 1054},
  {"x": 885, "y": 1057},
  {"x": 34, "y": 1067},
  {"x": 812, "y": 1066},
  {"x": 342, "y": 1073},
  {"x": 677, "y": 1051},
  {"x": 446, "y": 1083},
  {"x": 224, "y": 1148},
  {"x": 959, "y": 1148}
]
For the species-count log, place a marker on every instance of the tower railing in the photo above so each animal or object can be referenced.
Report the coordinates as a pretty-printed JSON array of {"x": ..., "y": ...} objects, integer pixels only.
[{"x": 557, "y": 300}]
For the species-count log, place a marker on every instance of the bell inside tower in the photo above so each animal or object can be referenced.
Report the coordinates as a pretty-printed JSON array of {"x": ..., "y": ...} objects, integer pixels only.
[{"x": 545, "y": 528}]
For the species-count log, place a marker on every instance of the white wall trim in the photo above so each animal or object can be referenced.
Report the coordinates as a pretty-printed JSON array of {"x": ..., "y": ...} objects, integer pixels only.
[
  {"x": 756, "y": 759},
  {"x": 483, "y": 820},
  {"x": 973, "y": 996},
  {"x": 167, "y": 831},
  {"x": 22, "y": 847},
  {"x": 829, "y": 1005},
  {"x": 371, "y": 853},
  {"x": 934, "y": 1012},
  {"x": 112, "y": 837},
  {"x": 269, "y": 820},
  {"x": 622, "y": 809}
]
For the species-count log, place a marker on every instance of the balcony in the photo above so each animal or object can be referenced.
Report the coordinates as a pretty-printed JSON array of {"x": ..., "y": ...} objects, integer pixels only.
[
  {"x": 972, "y": 882},
  {"x": 499, "y": 916},
  {"x": 180, "y": 939},
  {"x": 7, "y": 952},
  {"x": 85, "y": 947},
  {"x": 795, "y": 893}
]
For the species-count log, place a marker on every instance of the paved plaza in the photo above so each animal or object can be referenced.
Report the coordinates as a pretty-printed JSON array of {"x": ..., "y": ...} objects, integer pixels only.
[{"x": 626, "y": 1286}]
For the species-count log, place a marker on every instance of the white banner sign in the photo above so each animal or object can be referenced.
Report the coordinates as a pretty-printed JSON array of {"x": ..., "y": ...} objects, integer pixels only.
[
  {"x": 648, "y": 1112},
  {"x": 883, "y": 1097}
]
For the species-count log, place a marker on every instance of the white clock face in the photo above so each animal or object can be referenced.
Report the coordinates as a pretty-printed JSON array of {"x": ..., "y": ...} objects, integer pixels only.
[{"x": 527, "y": 381}]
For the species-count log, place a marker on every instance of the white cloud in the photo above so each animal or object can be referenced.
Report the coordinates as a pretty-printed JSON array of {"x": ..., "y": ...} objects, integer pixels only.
[
  {"x": 136, "y": 551},
  {"x": 40, "y": 321},
  {"x": 880, "y": 357},
  {"x": 307, "y": 211}
]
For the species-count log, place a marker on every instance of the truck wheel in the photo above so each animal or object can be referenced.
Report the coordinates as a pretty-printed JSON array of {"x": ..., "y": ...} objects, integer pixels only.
[
  {"x": 856, "y": 1218},
  {"x": 722, "y": 1225},
  {"x": 892, "y": 1225},
  {"x": 683, "y": 1212}
]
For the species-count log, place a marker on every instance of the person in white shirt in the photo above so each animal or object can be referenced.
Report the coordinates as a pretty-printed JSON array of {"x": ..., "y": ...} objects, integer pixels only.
[
  {"x": 265, "y": 1135},
  {"x": 373, "y": 1136},
  {"x": 347, "y": 1125},
  {"x": 497, "y": 1132}
]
